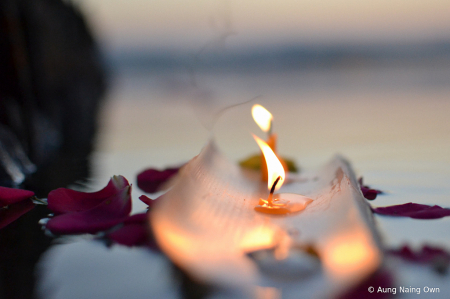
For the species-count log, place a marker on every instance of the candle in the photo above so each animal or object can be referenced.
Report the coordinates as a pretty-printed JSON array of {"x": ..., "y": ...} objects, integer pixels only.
[{"x": 278, "y": 203}]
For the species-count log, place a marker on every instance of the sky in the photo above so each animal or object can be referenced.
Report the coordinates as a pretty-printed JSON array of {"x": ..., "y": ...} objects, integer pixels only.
[{"x": 186, "y": 24}]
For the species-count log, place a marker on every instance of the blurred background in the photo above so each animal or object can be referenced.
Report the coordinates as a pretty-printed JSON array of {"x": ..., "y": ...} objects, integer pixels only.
[{"x": 369, "y": 80}]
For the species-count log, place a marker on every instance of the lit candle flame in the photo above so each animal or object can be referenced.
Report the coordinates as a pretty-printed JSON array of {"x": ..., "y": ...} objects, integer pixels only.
[
  {"x": 262, "y": 117},
  {"x": 274, "y": 167}
]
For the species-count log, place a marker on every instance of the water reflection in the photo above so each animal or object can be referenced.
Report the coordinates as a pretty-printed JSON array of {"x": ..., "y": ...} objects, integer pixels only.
[
  {"x": 89, "y": 269},
  {"x": 391, "y": 123},
  {"x": 351, "y": 255}
]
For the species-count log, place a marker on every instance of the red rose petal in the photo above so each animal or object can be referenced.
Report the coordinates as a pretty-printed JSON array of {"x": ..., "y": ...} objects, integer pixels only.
[
  {"x": 130, "y": 235},
  {"x": 10, "y": 195},
  {"x": 65, "y": 200},
  {"x": 14, "y": 211},
  {"x": 413, "y": 210},
  {"x": 145, "y": 199},
  {"x": 133, "y": 233},
  {"x": 137, "y": 219},
  {"x": 367, "y": 192},
  {"x": 151, "y": 180},
  {"x": 425, "y": 255},
  {"x": 148, "y": 201},
  {"x": 110, "y": 212}
]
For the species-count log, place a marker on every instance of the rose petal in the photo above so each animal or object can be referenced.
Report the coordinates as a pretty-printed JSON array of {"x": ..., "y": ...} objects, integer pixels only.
[
  {"x": 65, "y": 200},
  {"x": 151, "y": 180},
  {"x": 14, "y": 211},
  {"x": 105, "y": 215},
  {"x": 437, "y": 257},
  {"x": 140, "y": 218},
  {"x": 130, "y": 235},
  {"x": 367, "y": 192},
  {"x": 413, "y": 210},
  {"x": 10, "y": 195},
  {"x": 148, "y": 201},
  {"x": 133, "y": 233}
]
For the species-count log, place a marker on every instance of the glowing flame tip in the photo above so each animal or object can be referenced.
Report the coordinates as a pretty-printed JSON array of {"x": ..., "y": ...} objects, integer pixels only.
[{"x": 262, "y": 117}]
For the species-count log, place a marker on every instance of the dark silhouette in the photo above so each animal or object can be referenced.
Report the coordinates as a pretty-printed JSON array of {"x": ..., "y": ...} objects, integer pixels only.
[{"x": 51, "y": 85}]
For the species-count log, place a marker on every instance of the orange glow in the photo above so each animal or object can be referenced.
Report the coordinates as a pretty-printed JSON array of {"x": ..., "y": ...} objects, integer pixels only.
[
  {"x": 344, "y": 254},
  {"x": 274, "y": 167},
  {"x": 262, "y": 117},
  {"x": 351, "y": 254},
  {"x": 267, "y": 293},
  {"x": 257, "y": 238}
]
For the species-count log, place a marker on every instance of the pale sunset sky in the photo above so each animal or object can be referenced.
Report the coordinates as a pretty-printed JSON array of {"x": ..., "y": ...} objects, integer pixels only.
[{"x": 168, "y": 24}]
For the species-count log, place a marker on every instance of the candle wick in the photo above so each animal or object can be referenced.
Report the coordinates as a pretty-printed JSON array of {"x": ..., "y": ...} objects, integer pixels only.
[
  {"x": 275, "y": 184},
  {"x": 270, "y": 198}
]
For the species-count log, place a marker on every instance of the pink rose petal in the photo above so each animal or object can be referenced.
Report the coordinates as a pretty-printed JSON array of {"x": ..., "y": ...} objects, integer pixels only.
[
  {"x": 14, "y": 211},
  {"x": 413, "y": 210},
  {"x": 65, "y": 200},
  {"x": 10, "y": 195},
  {"x": 109, "y": 212},
  {"x": 152, "y": 180}
]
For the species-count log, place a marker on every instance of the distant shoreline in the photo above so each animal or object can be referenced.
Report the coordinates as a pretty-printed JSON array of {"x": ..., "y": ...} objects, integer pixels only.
[{"x": 282, "y": 58}]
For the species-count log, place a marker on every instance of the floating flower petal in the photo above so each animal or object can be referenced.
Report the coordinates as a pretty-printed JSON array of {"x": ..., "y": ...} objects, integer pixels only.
[
  {"x": 65, "y": 200},
  {"x": 152, "y": 180},
  {"x": 108, "y": 212},
  {"x": 413, "y": 210},
  {"x": 10, "y": 195},
  {"x": 424, "y": 255},
  {"x": 148, "y": 201},
  {"x": 368, "y": 192},
  {"x": 14, "y": 211},
  {"x": 145, "y": 199},
  {"x": 437, "y": 257},
  {"x": 133, "y": 233}
]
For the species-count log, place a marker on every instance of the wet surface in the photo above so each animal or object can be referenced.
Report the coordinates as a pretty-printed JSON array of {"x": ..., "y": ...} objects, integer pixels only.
[{"x": 394, "y": 130}]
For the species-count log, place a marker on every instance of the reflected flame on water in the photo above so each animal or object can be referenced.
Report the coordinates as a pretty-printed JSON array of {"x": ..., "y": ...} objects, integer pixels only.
[
  {"x": 257, "y": 238},
  {"x": 267, "y": 293},
  {"x": 351, "y": 255},
  {"x": 274, "y": 167},
  {"x": 262, "y": 117}
]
